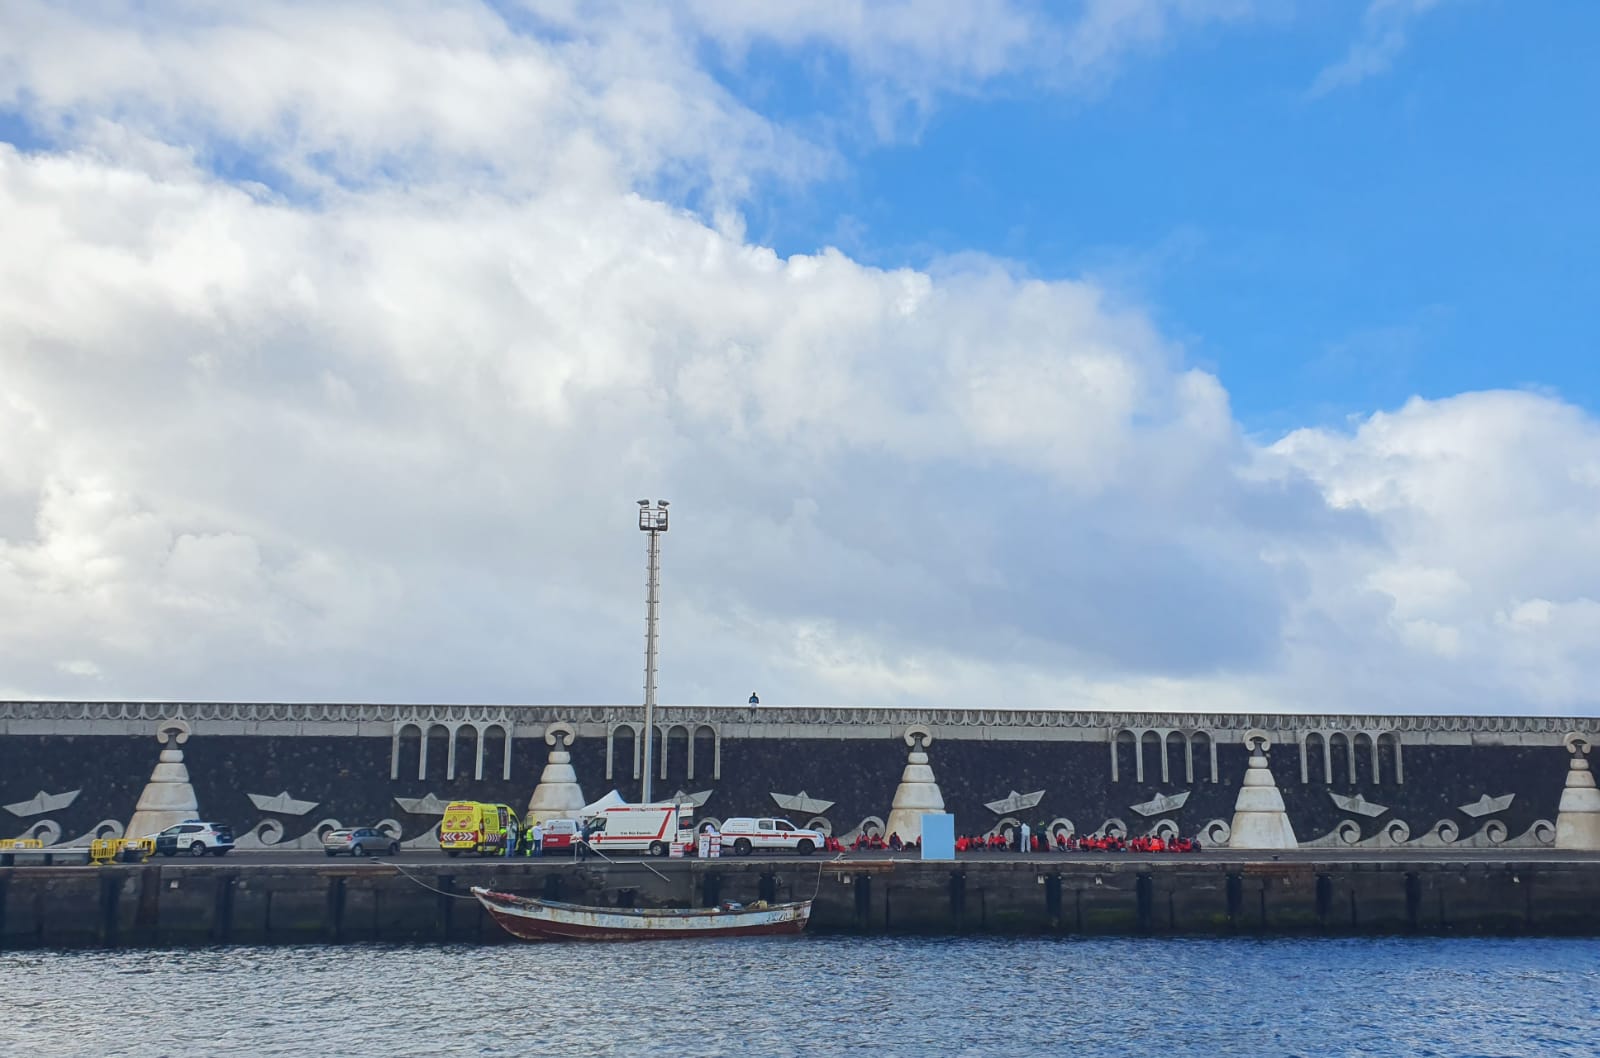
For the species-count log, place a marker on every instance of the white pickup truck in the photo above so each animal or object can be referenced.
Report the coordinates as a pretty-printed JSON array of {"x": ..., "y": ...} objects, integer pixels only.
[{"x": 745, "y": 834}]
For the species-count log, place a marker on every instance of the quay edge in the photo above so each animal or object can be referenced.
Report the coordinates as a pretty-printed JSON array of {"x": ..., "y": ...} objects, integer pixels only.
[{"x": 183, "y": 904}]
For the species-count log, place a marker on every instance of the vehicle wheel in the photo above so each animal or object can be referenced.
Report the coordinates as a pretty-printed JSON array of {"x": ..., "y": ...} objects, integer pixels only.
[
  {"x": 658, "y": 848},
  {"x": 220, "y": 851},
  {"x": 742, "y": 846},
  {"x": 358, "y": 850},
  {"x": 805, "y": 847},
  {"x": 197, "y": 849},
  {"x": 394, "y": 848}
]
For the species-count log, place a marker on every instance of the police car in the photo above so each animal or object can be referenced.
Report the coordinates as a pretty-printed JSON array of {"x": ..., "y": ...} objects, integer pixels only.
[{"x": 196, "y": 838}]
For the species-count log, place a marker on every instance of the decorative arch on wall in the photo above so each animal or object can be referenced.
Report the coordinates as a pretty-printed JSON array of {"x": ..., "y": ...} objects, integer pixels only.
[
  {"x": 622, "y": 738},
  {"x": 405, "y": 751},
  {"x": 705, "y": 747},
  {"x": 1343, "y": 770},
  {"x": 1203, "y": 750},
  {"x": 675, "y": 749},
  {"x": 1346, "y": 758},
  {"x": 1152, "y": 758},
  {"x": 436, "y": 753},
  {"x": 1176, "y": 759},
  {"x": 1125, "y": 756},
  {"x": 1390, "y": 759},
  {"x": 466, "y": 750},
  {"x": 1364, "y": 759},
  {"x": 495, "y": 741},
  {"x": 1315, "y": 765}
]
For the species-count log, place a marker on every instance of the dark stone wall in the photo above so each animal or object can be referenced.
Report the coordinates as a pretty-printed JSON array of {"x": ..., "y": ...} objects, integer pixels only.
[
  {"x": 166, "y": 903},
  {"x": 349, "y": 778}
]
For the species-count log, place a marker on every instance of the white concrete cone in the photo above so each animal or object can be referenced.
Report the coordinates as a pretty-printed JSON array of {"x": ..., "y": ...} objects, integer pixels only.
[
  {"x": 1259, "y": 818},
  {"x": 1578, "y": 819},
  {"x": 917, "y": 793},
  {"x": 167, "y": 798},
  {"x": 558, "y": 795}
]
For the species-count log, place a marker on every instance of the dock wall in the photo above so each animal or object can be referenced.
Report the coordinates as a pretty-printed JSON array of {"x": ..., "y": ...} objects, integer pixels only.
[
  {"x": 175, "y": 904},
  {"x": 283, "y": 773}
]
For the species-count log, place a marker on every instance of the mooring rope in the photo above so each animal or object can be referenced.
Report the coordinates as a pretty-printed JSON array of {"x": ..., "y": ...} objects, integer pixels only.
[
  {"x": 431, "y": 888},
  {"x": 643, "y": 863},
  {"x": 820, "y": 868}
]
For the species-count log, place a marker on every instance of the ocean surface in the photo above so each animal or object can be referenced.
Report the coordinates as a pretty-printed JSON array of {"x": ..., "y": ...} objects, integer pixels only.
[{"x": 880, "y": 997}]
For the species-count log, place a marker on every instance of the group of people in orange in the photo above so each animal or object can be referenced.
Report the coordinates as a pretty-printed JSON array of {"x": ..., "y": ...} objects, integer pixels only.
[
  {"x": 1063, "y": 842},
  {"x": 874, "y": 842},
  {"x": 1073, "y": 843}
]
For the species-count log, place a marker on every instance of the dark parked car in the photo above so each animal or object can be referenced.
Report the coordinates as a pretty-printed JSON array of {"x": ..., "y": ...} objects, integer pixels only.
[{"x": 363, "y": 841}]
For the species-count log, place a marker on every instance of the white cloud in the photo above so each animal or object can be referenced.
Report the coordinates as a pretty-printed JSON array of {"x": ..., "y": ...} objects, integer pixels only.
[
  {"x": 381, "y": 440},
  {"x": 1385, "y": 31}
]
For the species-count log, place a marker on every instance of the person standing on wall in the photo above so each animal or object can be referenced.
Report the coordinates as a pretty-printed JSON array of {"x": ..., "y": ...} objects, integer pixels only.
[
  {"x": 753, "y": 699},
  {"x": 580, "y": 848},
  {"x": 536, "y": 839}
]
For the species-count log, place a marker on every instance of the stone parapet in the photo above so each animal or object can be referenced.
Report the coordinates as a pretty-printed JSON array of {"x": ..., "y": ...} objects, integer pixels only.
[{"x": 781, "y": 722}]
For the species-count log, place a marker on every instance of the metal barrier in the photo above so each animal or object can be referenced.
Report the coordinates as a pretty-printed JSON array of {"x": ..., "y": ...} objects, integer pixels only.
[{"x": 121, "y": 850}]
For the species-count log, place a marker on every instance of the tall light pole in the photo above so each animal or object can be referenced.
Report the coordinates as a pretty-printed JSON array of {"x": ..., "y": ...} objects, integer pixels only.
[{"x": 652, "y": 520}]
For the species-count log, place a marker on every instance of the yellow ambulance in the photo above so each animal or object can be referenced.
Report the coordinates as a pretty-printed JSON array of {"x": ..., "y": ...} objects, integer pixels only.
[{"x": 473, "y": 826}]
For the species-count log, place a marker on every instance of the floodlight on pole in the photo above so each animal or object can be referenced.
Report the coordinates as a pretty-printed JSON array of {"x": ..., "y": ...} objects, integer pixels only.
[{"x": 652, "y": 520}]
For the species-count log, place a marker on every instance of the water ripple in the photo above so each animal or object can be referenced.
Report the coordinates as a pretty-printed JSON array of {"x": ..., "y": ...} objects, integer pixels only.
[{"x": 877, "y": 997}]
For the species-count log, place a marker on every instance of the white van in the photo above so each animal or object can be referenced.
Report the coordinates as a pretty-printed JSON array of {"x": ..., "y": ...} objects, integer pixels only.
[
  {"x": 652, "y": 828},
  {"x": 744, "y": 834}
]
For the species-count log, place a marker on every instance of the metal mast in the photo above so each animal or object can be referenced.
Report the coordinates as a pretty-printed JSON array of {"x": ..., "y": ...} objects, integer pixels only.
[{"x": 652, "y": 520}]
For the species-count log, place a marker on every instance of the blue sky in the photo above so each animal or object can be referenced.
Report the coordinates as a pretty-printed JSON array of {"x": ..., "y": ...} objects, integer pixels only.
[
  {"x": 1426, "y": 231},
  {"x": 1112, "y": 354}
]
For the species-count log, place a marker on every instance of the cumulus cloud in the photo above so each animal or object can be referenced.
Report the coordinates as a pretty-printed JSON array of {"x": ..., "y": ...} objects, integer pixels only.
[{"x": 338, "y": 343}]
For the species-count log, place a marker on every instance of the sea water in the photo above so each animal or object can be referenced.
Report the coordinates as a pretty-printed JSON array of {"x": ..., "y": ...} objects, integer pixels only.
[{"x": 877, "y": 996}]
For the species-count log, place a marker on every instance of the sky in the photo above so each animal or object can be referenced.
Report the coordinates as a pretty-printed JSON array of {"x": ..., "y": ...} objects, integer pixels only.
[{"x": 1196, "y": 355}]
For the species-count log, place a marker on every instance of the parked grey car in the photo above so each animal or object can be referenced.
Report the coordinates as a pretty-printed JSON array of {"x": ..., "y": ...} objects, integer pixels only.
[{"x": 363, "y": 841}]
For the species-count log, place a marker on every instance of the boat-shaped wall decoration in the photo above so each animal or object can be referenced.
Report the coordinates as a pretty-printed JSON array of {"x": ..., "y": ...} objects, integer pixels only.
[
  {"x": 282, "y": 804},
  {"x": 1161, "y": 803},
  {"x": 1358, "y": 805},
  {"x": 1488, "y": 806},
  {"x": 801, "y": 802},
  {"x": 429, "y": 805},
  {"x": 42, "y": 802},
  {"x": 1014, "y": 802},
  {"x": 695, "y": 799}
]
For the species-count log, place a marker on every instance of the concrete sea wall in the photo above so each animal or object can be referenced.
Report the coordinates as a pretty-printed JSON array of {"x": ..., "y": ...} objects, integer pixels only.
[
  {"x": 189, "y": 904},
  {"x": 281, "y": 773}
]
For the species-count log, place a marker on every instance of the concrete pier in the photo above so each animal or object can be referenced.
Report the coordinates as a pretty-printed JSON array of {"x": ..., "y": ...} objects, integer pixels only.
[{"x": 234, "y": 901}]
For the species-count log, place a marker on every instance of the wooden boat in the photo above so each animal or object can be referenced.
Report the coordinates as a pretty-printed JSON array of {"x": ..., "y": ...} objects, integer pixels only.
[{"x": 530, "y": 919}]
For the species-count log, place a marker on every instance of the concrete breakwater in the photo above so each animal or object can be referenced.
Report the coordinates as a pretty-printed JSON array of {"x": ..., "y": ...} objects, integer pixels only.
[{"x": 204, "y": 903}]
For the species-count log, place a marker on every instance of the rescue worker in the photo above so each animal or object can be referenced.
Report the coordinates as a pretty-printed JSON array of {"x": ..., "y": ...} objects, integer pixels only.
[
  {"x": 580, "y": 848},
  {"x": 1022, "y": 838},
  {"x": 510, "y": 841}
]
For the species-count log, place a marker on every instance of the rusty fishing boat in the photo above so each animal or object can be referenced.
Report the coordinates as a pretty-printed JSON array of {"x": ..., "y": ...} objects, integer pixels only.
[{"x": 528, "y": 918}]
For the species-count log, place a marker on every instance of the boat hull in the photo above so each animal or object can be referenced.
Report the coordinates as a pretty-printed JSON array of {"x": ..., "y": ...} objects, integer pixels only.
[{"x": 529, "y": 919}]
